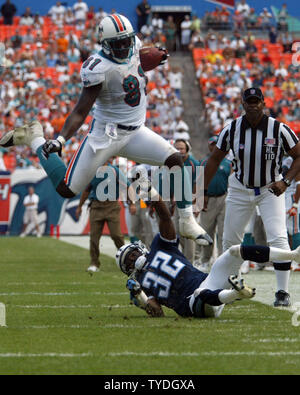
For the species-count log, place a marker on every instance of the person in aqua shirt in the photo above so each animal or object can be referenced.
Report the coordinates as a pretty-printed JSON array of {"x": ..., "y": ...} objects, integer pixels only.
[{"x": 213, "y": 218}]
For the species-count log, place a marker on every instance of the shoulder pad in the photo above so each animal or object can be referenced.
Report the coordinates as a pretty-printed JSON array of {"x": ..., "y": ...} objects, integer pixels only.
[{"x": 93, "y": 71}]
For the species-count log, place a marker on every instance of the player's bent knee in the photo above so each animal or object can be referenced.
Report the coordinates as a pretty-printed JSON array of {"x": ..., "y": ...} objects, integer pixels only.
[
  {"x": 64, "y": 191},
  {"x": 174, "y": 160},
  {"x": 235, "y": 250}
]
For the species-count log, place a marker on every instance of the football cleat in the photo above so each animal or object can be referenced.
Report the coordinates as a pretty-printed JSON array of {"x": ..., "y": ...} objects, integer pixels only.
[
  {"x": 22, "y": 135},
  {"x": 93, "y": 269},
  {"x": 282, "y": 299},
  {"x": 244, "y": 291},
  {"x": 190, "y": 229}
]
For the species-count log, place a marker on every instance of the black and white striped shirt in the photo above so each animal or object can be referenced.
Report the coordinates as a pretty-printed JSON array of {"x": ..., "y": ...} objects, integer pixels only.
[{"x": 257, "y": 151}]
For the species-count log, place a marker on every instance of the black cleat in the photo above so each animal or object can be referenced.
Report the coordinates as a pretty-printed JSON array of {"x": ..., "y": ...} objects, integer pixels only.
[{"x": 282, "y": 299}]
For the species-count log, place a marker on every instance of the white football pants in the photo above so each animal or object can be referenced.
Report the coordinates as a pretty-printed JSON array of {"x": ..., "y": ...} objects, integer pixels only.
[
  {"x": 240, "y": 205},
  {"x": 141, "y": 145}
]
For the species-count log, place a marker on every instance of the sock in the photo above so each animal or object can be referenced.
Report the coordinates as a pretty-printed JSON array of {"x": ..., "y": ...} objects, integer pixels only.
[
  {"x": 282, "y": 277},
  {"x": 185, "y": 212},
  {"x": 37, "y": 142},
  {"x": 228, "y": 296},
  {"x": 53, "y": 166}
]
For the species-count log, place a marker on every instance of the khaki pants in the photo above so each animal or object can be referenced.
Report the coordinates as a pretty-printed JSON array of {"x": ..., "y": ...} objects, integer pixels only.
[
  {"x": 211, "y": 220},
  {"x": 100, "y": 213}
]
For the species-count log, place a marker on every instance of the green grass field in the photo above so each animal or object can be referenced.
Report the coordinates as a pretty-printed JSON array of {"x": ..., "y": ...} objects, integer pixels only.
[{"x": 62, "y": 321}]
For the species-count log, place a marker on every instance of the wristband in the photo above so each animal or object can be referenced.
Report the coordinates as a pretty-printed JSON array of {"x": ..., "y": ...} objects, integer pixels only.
[
  {"x": 61, "y": 139},
  {"x": 296, "y": 205},
  {"x": 297, "y": 183}
]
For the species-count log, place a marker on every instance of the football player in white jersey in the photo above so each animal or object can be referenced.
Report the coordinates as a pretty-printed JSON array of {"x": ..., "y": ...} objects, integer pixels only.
[{"x": 114, "y": 81}]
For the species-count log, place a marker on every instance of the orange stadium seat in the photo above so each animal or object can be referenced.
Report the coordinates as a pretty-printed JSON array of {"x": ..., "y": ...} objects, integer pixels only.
[{"x": 269, "y": 102}]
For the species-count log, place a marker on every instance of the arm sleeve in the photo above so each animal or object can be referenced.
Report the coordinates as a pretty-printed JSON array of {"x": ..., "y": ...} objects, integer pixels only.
[
  {"x": 288, "y": 138},
  {"x": 224, "y": 139}
]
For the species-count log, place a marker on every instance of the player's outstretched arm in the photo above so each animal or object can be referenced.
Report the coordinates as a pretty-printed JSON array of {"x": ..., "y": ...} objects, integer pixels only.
[
  {"x": 75, "y": 119},
  {"x": 166, "y": 225},
  {"x": 81, "y": 110}
]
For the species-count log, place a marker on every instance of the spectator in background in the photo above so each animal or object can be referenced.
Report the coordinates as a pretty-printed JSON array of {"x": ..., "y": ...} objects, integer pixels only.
[
  {"x": 100, "y": 15},
  {"x": 212, "y": 41},
  {"x": 252, "y": 20},
  {"x": 175, "y": 79},
  {"x": 181, "y": 129},
  {"x": 39, "y": 56},
  {"x": 27, "y": 18},
  {"x": 69, "y": 17},
  {"x": 157, "y": 24},
  {"x": 16, "y": 39},
  {"x": 238, "y": 20},
  {"x": 80, "y": 9},
  {"x": 197, "y": 41},
  {"x": 170, "y": 32},
  {"x": 8, "y": 10},
  {"x": 266, "y": 17},
  {"x": 287, "y": 41},
  {"x": 31, "y": 202},
  {"x": 185, "y": 32},
  {"x": 244, "y": 9},
  {"x": 196, "y": 24},
  {"x": 273, "y": 34},
  {"x": 57, "y": 11},
  {"x": 62, "y": 42},
  {"x": 143, "y": 11},
  {"x": 282, "y": 18},
  {"x": 224, "y": 18}
]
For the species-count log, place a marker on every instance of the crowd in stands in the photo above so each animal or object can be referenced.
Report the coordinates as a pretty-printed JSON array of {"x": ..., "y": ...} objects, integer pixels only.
[
  {"x": 40, "y": 78},
  {"x": 225, "y": 68}
]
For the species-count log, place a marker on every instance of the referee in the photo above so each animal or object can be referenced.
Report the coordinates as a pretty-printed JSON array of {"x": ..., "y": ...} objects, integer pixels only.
[{"x": 258, "y": 143}]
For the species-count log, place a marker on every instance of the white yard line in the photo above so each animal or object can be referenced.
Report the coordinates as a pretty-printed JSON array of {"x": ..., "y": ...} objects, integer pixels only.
[
  {"x": 206, "y": 354},
  {"x": 154, "y": 354}
]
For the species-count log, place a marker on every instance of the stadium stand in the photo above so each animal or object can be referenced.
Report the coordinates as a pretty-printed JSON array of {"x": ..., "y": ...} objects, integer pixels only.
[
  {"x": 41, "y": 81},
  {"x": 223, "y": 73}
]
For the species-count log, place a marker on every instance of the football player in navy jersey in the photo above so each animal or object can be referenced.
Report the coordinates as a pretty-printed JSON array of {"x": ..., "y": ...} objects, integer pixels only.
[{"x": 163, "y": 276}]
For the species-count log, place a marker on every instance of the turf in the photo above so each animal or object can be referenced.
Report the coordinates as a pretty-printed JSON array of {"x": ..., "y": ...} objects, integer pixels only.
[{"x": 62, "y": 321}]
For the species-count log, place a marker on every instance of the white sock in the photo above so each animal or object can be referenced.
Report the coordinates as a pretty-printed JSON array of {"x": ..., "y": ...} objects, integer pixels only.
[
  {"x": 283, "y": 277},
  {"x": 37, "y": 142},
  {"x": 228, "y": 296},
  {"x": 185, "y": 212}
]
